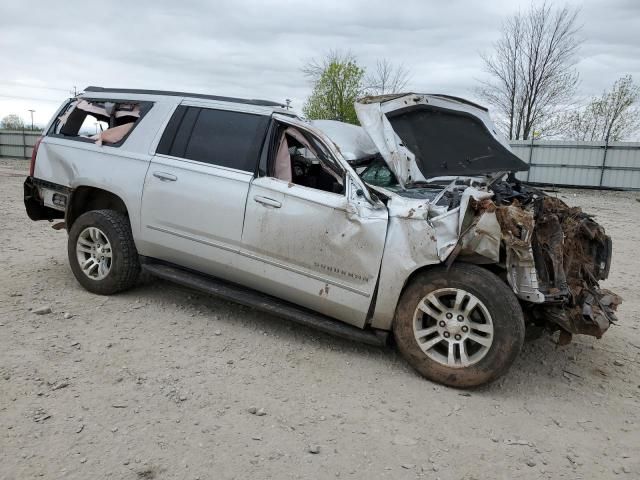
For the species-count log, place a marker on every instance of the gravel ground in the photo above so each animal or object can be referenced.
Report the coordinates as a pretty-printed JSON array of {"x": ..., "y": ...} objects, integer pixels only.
[{"x": 161, "y": 382}]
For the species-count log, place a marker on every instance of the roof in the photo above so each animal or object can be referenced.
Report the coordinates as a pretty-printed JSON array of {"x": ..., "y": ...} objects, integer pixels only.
[{"x": 264, "y": 103}]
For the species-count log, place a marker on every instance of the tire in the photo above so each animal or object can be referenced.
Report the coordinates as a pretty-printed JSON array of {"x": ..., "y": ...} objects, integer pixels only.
[
  {"x": 96, "y": 235},
  {"x": 501, "y": 334}
]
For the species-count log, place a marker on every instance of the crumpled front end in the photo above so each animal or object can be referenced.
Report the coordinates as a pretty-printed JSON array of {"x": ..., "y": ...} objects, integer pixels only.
[
  {"x": 572, "y": 254},
  {"x": 554, "y": 257}
]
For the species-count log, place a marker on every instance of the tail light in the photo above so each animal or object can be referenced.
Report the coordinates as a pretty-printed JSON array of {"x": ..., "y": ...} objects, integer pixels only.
[{"x": 32, "y": 165}]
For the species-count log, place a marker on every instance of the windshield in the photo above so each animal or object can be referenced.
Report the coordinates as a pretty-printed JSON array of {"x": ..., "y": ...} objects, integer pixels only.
[{"x": 377, "y": 173}]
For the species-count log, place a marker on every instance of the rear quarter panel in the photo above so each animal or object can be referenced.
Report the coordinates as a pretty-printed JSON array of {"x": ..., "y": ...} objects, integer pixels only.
[{"x": 119, "y": 170}]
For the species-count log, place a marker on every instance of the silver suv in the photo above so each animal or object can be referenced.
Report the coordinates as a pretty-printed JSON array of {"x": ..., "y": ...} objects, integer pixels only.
[{"x": 412, "y": 223}]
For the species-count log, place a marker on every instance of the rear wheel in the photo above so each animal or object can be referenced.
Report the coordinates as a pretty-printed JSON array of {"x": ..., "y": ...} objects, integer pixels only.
[
  {"x": 461, "y": 327},
  {"x": 102, "y": 253}
]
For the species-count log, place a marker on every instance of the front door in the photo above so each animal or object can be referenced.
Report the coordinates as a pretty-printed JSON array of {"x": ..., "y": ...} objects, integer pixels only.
[{"x": 320, "y": 249}]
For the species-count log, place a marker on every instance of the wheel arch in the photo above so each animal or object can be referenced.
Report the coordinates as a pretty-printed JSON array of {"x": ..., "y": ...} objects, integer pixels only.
[
  {"x": 86, "y": 198},
  {"x": 384, "y": 311}
]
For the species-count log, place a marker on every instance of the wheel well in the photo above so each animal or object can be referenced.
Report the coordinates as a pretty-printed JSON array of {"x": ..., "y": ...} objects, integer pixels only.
[
  {"x": 85, "y": 199},
  {"x": 493, "y": 268}
]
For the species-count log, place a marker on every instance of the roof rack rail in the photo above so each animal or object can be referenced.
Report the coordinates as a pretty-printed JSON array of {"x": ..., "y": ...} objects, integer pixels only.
[{"x": 263, "y": 103}]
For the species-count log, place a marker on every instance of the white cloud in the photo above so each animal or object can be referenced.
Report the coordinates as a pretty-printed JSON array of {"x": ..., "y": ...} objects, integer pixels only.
[{"x": 255, "y": 49}]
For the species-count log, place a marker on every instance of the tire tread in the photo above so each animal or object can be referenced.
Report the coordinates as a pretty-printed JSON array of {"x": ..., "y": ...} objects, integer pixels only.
[{"x": 125, "y": 274}]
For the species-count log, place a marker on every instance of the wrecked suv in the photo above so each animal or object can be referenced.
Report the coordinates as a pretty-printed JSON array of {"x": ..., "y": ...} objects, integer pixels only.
[{"x": 413, "y": 223}]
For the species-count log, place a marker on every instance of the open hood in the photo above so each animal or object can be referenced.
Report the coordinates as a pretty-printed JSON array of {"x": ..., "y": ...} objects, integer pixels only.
[{"x": 423, "y": 136}]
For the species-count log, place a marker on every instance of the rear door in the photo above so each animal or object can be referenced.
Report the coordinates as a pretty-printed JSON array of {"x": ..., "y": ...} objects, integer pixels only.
[{"x": 196, "y": 187}]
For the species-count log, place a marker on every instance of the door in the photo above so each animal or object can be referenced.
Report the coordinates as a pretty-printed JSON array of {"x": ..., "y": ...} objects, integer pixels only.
[
  {"x": 196, "y": 188},
  {"x": 318, "y": 248}
]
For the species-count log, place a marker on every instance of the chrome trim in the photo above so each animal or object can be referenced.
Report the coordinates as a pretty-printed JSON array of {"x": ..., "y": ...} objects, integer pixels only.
[
  {"x": 261, "y": 259},
  {"x": 212, "y": 166}
]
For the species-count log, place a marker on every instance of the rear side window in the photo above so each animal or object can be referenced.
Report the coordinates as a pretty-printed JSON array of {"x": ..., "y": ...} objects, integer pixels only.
[
  {"x": 219, "y": 137},
  {"x": 104, "y": 122}
]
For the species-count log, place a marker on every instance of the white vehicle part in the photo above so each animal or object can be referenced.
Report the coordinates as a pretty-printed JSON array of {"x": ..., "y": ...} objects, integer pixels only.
[
  {"x": 446, "y": 227},
  {"x": 414, "y": 240},
  {"x": 372, "y": 113},
  {"x": 72, "y": 164},
  {"x": 53, "y": 199},
  {"x": 522, "y": 276},
  {"x": 521, "y": 268},
  {"x": 481, "y": 237},
  {"x": 318, "y": 249},
  {"x": 352, "y": 141},
  {"x": 400, "y": 160}
]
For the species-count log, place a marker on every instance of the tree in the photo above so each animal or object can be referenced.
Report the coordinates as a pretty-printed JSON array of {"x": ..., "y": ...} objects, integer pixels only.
[
  {"x": 611, "y": 117},
  {"x": 337, "y": 83},
  {"x": 387, "y": 78},
  {"x": 12, "y": 122},
  {"x": 532, "y": 75}
]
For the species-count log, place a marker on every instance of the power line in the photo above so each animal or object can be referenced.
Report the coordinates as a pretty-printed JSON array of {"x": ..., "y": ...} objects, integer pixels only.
[
  {"x": 39, "y": 99},
  {"x": 26, "y": 85}
]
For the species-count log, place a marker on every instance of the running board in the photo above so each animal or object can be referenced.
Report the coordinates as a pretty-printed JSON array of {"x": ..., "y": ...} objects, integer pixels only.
[{"x": 265, "y": 303}]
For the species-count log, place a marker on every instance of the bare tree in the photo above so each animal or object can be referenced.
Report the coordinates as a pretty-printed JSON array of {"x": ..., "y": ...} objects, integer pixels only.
[
  {"x": 316, "y": 66},
  {"x": 387, "y": 78},
  {"x": 532, "y": 75},
  {"x": 610, "y": 117},
  {"x": 12, "y": 122}
]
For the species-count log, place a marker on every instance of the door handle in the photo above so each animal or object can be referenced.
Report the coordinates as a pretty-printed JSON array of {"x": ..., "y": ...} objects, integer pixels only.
[
  {"x": 270, "y": 202},
  {"x": 165, "y": 177}
]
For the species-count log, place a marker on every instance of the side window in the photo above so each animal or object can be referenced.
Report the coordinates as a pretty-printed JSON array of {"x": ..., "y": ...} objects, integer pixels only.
[
  {"x": 220, "y": 137},
  {"x": 302, "y": 159},
  {"x": 105, "y": 122}
]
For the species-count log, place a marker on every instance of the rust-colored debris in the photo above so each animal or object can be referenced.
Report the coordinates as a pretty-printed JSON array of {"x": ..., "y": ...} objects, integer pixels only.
[{"x": 572, "y": 253}]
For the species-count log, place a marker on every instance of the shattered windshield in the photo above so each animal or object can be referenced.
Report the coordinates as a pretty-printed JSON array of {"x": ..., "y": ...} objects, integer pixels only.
[{"x": 377, "y": 173}]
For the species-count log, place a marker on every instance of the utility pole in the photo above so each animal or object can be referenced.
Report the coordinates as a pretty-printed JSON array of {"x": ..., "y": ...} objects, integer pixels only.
[
  {"x": 30, "y": 110},
  {"x": 74, "y": 91}
]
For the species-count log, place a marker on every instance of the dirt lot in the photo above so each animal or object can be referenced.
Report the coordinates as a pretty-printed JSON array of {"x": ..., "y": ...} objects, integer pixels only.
[{"x": 158, "y": 383}]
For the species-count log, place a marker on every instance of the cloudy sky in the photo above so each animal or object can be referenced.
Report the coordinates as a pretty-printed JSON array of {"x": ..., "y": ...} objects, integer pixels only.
[{"x": 255, "y": 48}]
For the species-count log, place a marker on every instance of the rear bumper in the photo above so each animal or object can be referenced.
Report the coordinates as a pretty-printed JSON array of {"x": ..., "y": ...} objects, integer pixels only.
[{"x": 39, "y": 198}]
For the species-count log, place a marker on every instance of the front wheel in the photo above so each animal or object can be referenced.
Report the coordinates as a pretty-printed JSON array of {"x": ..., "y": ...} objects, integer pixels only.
[{"x": 461, "y": 327}]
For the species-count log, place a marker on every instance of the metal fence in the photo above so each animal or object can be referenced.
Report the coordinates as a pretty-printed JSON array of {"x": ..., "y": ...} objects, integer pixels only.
[
  {"x": 562, "y": 163},
  {"x": 17, "y": 143},
  {"x": 580, "y": 164}
]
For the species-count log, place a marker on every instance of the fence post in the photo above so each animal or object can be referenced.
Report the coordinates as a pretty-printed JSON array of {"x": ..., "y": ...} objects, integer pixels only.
[
  {"x": 530, "y": 156},
  {"x": 24, "y": 144},
  {"x": 604, "y": 160}
]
